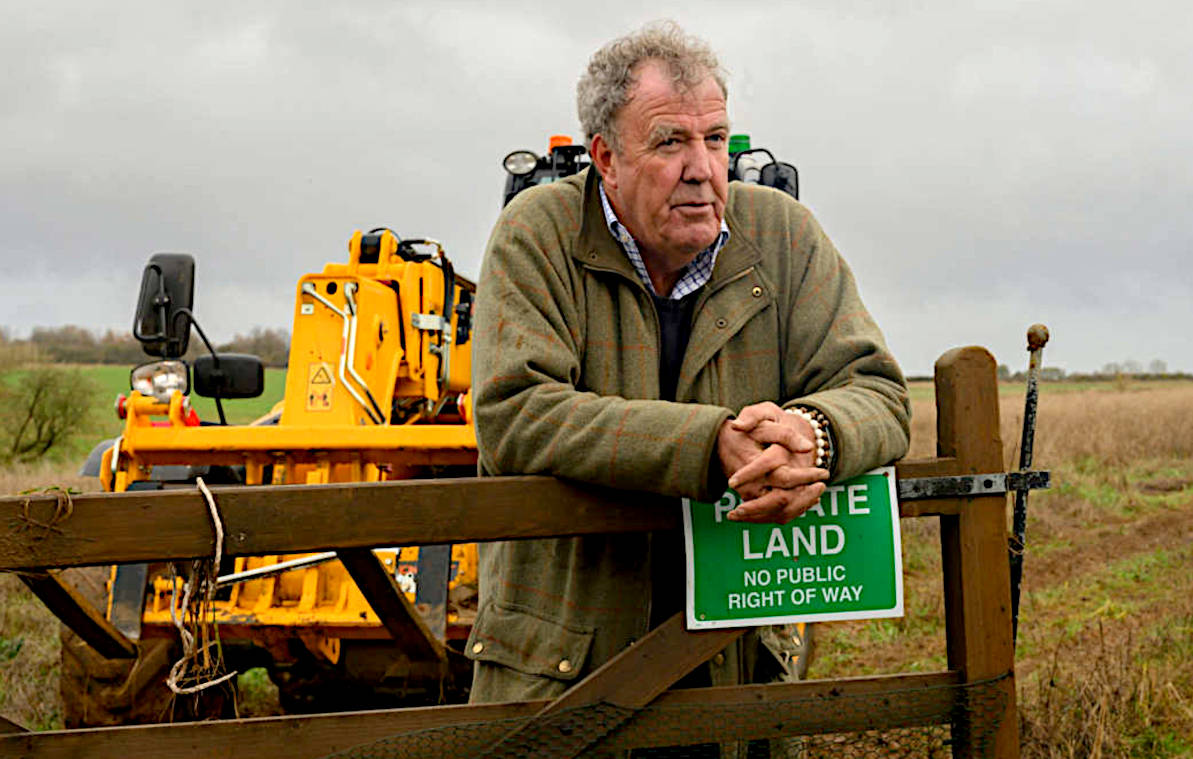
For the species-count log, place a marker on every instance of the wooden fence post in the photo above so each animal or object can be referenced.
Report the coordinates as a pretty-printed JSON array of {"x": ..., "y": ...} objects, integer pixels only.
[{"x": 974, "y": 552}]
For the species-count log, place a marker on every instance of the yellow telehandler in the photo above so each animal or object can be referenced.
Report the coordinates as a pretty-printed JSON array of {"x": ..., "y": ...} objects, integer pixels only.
[{"x": 376, "y": 389}]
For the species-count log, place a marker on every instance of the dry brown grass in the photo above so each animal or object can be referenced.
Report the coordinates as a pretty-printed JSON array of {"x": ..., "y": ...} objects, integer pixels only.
[
  {"x": 29, "y": 648},
  {"x": 1105, "y": 650},
  {"x": 28, "y": 659},
  {"x": 1131, "y": 699},
  {"x": 1111, "y": 426},
  {"x": 19, "y": 478}
]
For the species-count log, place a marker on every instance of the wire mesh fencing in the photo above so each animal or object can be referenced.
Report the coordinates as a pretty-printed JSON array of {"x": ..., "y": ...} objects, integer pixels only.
[{"x": 931, "y": 721}]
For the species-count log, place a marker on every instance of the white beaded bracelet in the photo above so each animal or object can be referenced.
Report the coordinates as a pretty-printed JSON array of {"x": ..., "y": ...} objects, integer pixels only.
[{"x": 820, "y": 426}]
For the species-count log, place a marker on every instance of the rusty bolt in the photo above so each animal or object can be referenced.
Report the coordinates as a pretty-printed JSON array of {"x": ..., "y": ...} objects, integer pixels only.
[{"x": 1037, "y": 337}]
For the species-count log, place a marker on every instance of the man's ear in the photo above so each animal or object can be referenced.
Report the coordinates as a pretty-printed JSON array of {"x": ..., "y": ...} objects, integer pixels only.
[{"x": 602, "y": 159}]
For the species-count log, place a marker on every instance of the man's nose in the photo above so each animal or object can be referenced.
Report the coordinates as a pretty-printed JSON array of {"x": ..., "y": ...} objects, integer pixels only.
[{"x": 698, "y": 163}]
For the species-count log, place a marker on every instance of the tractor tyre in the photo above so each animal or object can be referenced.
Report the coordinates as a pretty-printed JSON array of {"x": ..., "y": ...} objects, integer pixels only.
[{"x": 99, "y": 692}]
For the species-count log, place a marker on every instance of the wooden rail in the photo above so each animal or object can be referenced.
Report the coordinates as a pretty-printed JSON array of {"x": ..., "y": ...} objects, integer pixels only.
[
  {"x": 315, "y": 736},
  {"x": 271, "y": 520},
  {"x": 110, "y": 528}
]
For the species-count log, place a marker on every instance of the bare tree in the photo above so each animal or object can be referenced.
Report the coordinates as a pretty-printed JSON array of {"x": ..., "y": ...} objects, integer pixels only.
[
  {"x": 1052, "y": 373},
  {"x": 272, "y": 346},
  {"x": 40, "y": 407}
]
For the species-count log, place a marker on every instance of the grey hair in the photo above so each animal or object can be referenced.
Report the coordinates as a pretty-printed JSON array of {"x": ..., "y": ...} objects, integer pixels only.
[{"x": 604, "y": 88}]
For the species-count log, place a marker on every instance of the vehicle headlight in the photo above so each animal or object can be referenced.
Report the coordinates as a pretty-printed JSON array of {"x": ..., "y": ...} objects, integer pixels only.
[
  {"x": 749, "y": 168},
  {"x": 160, "y": 379},
  {"x": 520, "y": 162},
  {"x": 747, "y": 165}
]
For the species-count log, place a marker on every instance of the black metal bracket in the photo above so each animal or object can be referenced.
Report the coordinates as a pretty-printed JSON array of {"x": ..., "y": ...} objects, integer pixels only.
[{"x": 966, "y": 485}]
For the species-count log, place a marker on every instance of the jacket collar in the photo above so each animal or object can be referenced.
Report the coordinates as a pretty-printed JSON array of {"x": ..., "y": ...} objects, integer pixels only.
[{"x": 596, "y": 248}]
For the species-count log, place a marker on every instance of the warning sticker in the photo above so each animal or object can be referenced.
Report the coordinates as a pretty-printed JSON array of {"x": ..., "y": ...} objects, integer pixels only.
[{"x": 320, "y": 384}]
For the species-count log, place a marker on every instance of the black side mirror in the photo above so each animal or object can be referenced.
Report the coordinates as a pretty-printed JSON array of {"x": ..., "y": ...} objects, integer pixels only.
[
  {"x": 230, "y": 375},
  {"x": 781, "y": 176},
  {"x": 167, "y": 288}
]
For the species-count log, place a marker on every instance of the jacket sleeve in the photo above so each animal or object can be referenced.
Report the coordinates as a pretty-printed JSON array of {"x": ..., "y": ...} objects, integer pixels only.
[
  {"x": 838, "y": 361},
  {"x": 531, "y": 417}
]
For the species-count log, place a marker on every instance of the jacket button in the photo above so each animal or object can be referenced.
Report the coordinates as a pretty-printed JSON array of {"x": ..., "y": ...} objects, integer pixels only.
[
  {"x": 721, "y": 324},
  {"x": 565, "y": 666},
  {"x": 756, "y": 292},
  {"x": 478, "y": 647},
  {"x": 592, "y": 256}
]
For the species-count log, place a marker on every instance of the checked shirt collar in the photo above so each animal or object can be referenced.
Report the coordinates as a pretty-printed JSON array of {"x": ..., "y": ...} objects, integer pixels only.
[{"x": 693, "y": 276}]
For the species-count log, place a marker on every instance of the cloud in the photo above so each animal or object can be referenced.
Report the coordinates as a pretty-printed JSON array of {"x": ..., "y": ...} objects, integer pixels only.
[{"x": 981, "y": 165}]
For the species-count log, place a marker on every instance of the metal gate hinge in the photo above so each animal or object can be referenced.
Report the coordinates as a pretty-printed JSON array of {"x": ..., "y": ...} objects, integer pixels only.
[{"x": 964, "y": 485}]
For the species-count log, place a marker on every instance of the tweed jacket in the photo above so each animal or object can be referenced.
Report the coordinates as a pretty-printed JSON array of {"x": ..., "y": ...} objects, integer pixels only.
[{"x": 566, "y": 382}]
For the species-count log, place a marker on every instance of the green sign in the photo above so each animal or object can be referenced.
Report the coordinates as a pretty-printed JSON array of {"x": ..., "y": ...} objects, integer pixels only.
[{"x": 840, "y": 560}]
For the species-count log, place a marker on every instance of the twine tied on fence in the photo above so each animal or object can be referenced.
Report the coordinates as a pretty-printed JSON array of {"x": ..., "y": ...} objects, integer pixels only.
[
  {"x": 198, "y": 607},
  {"x": 64, "y": 506}
]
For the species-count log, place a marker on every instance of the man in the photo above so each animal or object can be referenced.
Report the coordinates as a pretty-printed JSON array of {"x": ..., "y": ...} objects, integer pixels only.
[{"x": 646, "y": 325}]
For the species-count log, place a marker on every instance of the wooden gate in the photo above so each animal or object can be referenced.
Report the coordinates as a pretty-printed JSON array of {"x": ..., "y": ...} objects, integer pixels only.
[{"x": 627, "y": 702}]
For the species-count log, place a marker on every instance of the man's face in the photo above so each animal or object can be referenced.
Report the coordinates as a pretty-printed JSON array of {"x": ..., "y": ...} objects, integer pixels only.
[{"x": 670, "y": 180}]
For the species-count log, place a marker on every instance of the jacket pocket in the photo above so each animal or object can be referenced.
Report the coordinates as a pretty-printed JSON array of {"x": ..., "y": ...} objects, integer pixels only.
[{"x": 517, "y": 637}]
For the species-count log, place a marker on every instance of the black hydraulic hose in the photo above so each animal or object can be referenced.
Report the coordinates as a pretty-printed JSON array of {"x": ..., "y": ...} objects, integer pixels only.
[
  {"x": 190, "y": 317},
  {"x": 373, "y": 402},
  {"x": 397, "y": 288},
  {"x": 449, "y": 296},
  {"x": 449, "y": 289}
]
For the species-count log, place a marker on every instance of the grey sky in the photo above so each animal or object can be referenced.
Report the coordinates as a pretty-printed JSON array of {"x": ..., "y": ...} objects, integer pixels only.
[{"x": 981, "y": 165}]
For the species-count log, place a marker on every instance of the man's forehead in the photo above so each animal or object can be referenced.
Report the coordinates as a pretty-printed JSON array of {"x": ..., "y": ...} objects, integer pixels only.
[
  {"x": 657, "y": 102},
  {"x": 653, "y": 81},
  {"x": 666, "y": 121}
]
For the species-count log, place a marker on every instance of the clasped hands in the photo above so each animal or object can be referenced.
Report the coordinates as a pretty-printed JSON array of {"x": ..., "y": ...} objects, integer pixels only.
[{"x": 769, "y": 457}]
